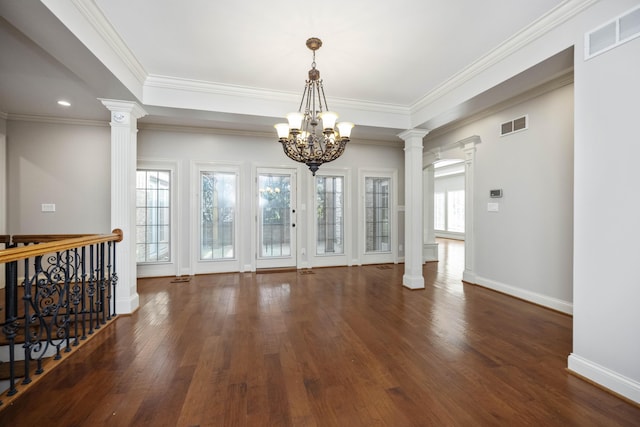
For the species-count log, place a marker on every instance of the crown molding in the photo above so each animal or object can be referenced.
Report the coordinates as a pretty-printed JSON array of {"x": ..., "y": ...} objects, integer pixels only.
[
  {"x": 94, "y": 16},
  {"x": 203, "y": 129},
  {"x": 256, "y": 134},
  {"x": 56, "y": 120},
  {"x": 155, "y": 81},
  {"x": 552, "y": 19},
  {"x": 553, "y": 84}
]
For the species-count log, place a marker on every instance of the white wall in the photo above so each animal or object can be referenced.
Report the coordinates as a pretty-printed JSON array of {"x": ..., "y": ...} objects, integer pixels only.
[
  {"x": 525, "y": 249},
  {"x": 606, "y": 334},
  {"x": 187, "y": 146},
  {"x": 64, "y": 164}
]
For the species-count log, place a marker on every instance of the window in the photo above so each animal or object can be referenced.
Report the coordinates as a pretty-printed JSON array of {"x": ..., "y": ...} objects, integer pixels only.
[
  {"x": 448, "y": 204},
  {"x": 330, "y": 215},
  {"x": 218, "y": 215},
  {"x": 377, "y": 214},
  {"x": 440, "y": 211},
  {"x": 455, "y": 211},
  {"x": 153, "y": 219}
]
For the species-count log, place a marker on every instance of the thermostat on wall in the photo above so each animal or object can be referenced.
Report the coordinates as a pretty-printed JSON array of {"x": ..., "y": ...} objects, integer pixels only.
[{"x": 495, "y": 193}]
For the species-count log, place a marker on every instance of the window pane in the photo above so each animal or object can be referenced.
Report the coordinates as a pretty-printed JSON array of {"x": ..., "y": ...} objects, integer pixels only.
[
  {"x": 153, "y": 223},
  {"x": 455, "y": 211},
  {"x": 275, "y": 215},
  {"x": 377, "y": 226},
  {"x": 217, "y": 209},
  {"x": 330, "y": 220},
  {"x": 439, "y": 213}
]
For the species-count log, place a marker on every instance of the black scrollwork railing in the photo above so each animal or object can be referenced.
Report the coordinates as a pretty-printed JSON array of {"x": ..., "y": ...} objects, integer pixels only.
[{"x": 58, "y": 291}]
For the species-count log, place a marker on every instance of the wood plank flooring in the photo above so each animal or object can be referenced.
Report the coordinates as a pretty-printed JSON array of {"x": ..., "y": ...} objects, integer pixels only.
[{"x": 344, "y": 346}]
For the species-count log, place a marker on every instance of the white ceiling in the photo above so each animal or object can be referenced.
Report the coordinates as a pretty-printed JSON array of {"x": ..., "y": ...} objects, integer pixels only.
[{"x": 376, "y": 58}]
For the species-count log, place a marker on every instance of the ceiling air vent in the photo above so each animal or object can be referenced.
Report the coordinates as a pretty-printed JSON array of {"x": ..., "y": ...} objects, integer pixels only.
[
  {"x": 612, "y": 34},
  {"x": 514, "y": 125}
]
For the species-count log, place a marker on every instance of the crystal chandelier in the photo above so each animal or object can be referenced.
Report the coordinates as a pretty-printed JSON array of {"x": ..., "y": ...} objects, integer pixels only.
[{"x": 301, "y": 139}]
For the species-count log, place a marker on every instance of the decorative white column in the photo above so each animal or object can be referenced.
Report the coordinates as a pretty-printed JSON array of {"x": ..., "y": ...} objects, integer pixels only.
[
  {"x": 468, "y": 145},
  {"x": 124, "y": 120},
  {"x": 430, "y": 247},
  {"x": 413, "y": 196}
]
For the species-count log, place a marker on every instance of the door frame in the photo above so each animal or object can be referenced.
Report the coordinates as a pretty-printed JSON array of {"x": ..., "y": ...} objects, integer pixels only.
[{"x": 276, "y": 262}]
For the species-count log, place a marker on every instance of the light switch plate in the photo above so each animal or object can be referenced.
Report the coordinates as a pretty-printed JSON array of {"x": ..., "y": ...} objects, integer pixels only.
[
  {"x": 48, "y": 207},
  {"x": 493, "y": 207}
]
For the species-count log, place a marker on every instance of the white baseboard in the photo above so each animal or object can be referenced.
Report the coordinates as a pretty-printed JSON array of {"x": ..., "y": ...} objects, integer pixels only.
[
  {"x": 534, "y": 297},
  {"x": 127, "y": 305},
  {"x": 604, "y": 377}
]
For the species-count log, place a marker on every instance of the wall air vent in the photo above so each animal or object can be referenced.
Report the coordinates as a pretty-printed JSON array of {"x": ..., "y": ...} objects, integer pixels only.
[
  {"x": 514, "y": 125},
  {"x": 612, "y": 34}
]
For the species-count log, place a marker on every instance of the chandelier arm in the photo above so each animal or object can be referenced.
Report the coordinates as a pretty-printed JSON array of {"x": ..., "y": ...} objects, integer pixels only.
[
  {"x": 326, "y": 106},
  {"x": 304, "y": 92}
]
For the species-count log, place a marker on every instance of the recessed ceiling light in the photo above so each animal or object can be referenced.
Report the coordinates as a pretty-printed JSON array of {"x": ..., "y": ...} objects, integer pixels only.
[{"x": 64, "y": 103}]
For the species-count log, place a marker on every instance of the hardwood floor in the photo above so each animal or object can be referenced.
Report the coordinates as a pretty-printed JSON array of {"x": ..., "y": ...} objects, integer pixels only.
[{"x": 338, "y": 347}]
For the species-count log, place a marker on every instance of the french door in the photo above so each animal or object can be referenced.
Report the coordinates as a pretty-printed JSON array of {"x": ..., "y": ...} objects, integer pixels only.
[{"x": 276, "y": 217}]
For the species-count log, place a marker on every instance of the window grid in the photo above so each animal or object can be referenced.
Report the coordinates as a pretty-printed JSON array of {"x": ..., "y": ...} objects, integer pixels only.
[
  {"x": 377, "y": 226},
  {"x": 330, "y": 215},
  {"x": 153, "y": 216},
  {"x": 275, "y": 214},
  {"x": 218, "y": 211}
]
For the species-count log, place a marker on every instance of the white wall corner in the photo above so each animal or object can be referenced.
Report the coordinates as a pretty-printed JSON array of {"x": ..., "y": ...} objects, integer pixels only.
[{"x": 604, "y": 377}]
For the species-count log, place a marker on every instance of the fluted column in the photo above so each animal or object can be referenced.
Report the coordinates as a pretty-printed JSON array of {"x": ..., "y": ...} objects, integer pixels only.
[
  {"x": 124, "y": 121},
  {"x": 430, "y": 247},
  {"x": 413, "y": 196},
  {"x": 468, "y": 145}
]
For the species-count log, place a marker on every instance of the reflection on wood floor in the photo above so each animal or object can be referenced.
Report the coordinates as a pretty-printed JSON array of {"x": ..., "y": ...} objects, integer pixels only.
[{"x": 346, "y": 346}]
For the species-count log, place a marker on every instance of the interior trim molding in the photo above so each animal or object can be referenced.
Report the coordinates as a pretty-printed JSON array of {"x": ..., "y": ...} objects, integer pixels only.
[
  {"x": 534, "y": 297},
  {"x": 553, "y": 84},
  {"x": 92, "y": 13},
  {"x": 535, "y": 30},
  {"x": 603, "y": 377},
  {"x": 57, "y": 120}
]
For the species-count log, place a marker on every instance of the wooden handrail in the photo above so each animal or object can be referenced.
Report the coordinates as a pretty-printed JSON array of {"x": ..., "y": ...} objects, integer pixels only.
[
  {"x": 22, "y": 252},
  {"x": 44, "y": 238},
  {"x": 5, "y": 238}
]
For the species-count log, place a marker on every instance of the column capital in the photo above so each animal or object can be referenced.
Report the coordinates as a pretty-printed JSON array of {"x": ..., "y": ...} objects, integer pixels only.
[
  {"x": 123, "y": 111},
  {"x": 469, "y": 144},
  {"x": 413, "y": 133}
]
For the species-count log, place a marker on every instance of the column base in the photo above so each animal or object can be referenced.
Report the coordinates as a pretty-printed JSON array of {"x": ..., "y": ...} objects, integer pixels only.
[
  {"x": 127, "y": 304},
  {"x": 430, "y": 252},
  {"x": 413, "y": 282}
]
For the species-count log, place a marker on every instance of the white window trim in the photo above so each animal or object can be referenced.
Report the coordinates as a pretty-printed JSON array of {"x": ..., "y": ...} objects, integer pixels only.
[
  {"x": 378, "y": 257},
  {"x": 205, "y": 266},
  {"x": 170, "y": 268},
  {"x": 327, "y": 260}
]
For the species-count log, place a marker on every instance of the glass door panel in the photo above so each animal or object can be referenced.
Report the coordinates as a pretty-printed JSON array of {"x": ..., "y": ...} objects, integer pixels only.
[{"x": 276, "y": 219}]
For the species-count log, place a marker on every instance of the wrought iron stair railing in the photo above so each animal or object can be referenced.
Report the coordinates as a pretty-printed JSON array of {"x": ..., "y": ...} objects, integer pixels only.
[{"x": 58, "y": 290}]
